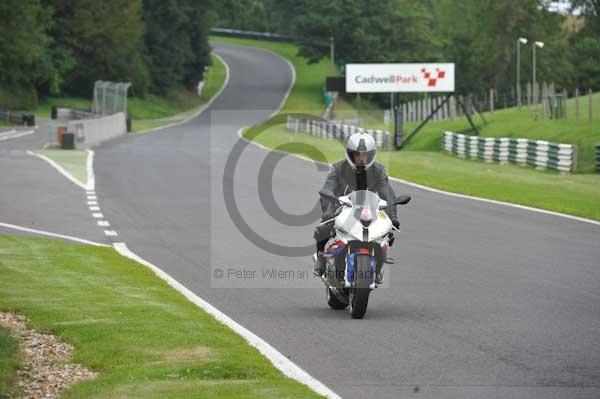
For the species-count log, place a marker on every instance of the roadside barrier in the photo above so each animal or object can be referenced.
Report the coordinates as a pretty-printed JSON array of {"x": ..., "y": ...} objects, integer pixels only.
[
  {"x": 539, "y": 153},
  {"x": 328, "y": 130}
]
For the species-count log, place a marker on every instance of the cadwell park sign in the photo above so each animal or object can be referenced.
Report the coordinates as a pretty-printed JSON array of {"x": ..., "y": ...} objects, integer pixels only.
[{"x": 399, "y": 78}]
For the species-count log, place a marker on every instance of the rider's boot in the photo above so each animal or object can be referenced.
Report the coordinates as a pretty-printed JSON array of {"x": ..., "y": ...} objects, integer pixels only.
[
  {"x": 379, "y": 277},
  {"x": 320, "y": 264}
]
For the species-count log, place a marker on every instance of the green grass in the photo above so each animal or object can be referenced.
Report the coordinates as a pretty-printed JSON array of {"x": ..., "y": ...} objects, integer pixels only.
[
  {"x": 503, "y": 123},
  {"x": 9, "y": 362},
  {"x": 153, "y": 111},
  {"x": 74, "y": 161},
  {"x": 145, "y": 339},
  {"x": 422, "y": 162},
  {"x": 576, "y": 194}
]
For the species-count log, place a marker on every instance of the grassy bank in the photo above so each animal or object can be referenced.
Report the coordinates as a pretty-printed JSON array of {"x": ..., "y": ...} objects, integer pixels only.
[
  {"x": 422, "y": 162},
  {"x": 145, "y": 339},
  {"x": 9, "y": 361},
  {"x": 154, "y": 111},
  {"x": 508, "y": 122}
]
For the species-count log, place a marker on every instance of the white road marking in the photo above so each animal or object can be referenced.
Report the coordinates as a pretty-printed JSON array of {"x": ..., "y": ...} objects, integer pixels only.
[
  {"x": 8, "y": 133},
  {"x": 98, "y": 215},
  {"x": 282, "y": 363},
  {"x": 59, "y": 168},
  {"x": 110, "y": 233},
  {"x": 103, "y": 223},
  {"x": 94, "y": 208},
  {"x": 92, "y": 202},
  {"x": 91, "y": 178},
  {"x": 17, "y": 135},
  {"x": 55, "y": 235},
  {"x": 92, "y": 197}
]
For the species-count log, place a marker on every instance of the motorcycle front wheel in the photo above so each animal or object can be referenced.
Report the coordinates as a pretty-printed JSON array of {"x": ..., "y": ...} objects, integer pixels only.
[{"x": 359, "y": 292}]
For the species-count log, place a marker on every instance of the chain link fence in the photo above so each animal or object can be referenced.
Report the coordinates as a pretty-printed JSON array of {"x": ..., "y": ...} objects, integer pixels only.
[{"x": 110, "y": 97}]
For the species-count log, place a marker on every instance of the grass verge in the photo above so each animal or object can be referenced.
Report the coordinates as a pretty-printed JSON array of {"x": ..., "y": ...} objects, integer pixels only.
[
  {"x": 144, "y": 338},
  {"x": 422, "y": 162},
  {"x": 508, "y": 122},
  {"x": 9, "y": 361},
  {"x": 154, "y": 111},
  {"x": 73, "y": 161}
]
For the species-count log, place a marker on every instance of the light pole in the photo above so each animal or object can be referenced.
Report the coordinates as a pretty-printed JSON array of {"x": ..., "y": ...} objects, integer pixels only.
[
  {"x": 520, "y": 41},
  {"x": 536, "y": 92},
  {"x": 332, "y": 50}
]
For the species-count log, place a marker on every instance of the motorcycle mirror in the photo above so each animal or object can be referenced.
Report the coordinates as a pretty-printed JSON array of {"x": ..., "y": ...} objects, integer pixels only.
[
  {"x": 382, "y": 204},
  {"x": 344, "y": 200},
  {"x": 402, "y": 200}
]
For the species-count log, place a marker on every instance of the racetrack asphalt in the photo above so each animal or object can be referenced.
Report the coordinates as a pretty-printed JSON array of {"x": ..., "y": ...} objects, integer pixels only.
[{"x": 484, "y": 300}]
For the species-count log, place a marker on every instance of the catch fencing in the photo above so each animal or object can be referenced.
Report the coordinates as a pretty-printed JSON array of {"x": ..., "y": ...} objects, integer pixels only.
[
  {"x": 542, "y": 154},
  {"x": 328, "y": 130}
]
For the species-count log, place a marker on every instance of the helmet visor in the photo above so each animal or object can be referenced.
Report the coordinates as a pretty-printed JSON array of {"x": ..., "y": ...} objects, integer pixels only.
[{"x": 361, "y": 159}]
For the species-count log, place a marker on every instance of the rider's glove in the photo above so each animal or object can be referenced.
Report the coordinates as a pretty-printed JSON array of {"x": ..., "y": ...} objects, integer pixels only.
[{"x": 396, "y": 223}]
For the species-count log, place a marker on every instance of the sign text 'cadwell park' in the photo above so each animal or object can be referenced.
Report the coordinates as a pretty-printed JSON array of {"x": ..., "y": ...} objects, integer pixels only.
[{"x": 407, "y": 78}]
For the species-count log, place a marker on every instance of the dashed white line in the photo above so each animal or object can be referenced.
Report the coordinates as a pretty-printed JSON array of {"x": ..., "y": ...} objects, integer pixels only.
[
  {"x": 98, "y": 215},
  {"x": 94, "y": 208},
  {"x": 92, "y": 202},
  {"x": 103, "y": 223},
  {"x": 92, "y": 197},
  {"x": 110, "y": 233}
]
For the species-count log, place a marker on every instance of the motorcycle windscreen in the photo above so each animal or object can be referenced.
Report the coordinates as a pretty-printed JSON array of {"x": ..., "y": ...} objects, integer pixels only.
[{"x": 366, "y": 204}]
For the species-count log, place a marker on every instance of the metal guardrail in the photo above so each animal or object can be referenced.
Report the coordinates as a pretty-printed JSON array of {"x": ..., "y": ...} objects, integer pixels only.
[
  {"x": 539, "y": 153},
  {"x": 17, "y": 117},
  {"x": 328, "y": 130},
  {"x": 246, "y": 34}
]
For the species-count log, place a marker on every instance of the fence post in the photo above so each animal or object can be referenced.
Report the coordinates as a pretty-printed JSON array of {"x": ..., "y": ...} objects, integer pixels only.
[
  {"x": 492, "y": 101},
  {"x": 565, "y": 98},
  {"x": 590, "y": 104},
  {"x": 577, "y": 104},
  {"x": 545, "y": 99},
  {"x": 529, "y": 95}
]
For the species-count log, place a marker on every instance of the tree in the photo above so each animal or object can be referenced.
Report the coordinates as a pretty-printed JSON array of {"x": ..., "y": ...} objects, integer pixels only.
[
  {"x": 23, "y": 41},
  {"x": 176, "y": 42},
  {"x": 104, "y": 38}
]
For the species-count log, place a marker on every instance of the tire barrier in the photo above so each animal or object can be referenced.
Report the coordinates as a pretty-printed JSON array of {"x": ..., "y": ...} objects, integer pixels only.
[
  {"x": 17, "y": 118},
  {"x": 539, "y": 153},
  {"x": 328, "y": 130}
]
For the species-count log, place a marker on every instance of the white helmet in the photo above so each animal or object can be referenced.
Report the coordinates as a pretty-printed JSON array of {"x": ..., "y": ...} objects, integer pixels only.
[{"x": 361, "y": 143}]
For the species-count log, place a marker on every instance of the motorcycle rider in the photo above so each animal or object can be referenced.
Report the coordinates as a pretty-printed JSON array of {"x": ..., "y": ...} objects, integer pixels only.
[{"x": 358, "y": 171}]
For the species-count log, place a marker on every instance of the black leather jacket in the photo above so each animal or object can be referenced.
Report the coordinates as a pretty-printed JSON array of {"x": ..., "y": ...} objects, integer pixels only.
[{"x": 342, "y": 180}]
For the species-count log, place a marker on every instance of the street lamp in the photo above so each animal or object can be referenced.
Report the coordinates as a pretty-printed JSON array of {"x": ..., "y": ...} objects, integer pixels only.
[
  {"x": 536, "y": 93},
  {"x": 520, "y": 41}
]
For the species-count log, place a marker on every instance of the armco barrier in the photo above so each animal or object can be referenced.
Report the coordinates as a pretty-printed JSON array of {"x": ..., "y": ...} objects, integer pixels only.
[
  {"x": 328, "y": 130},
  {"x": 89, "y": 132},
  {"x": 542, "y": 154}
]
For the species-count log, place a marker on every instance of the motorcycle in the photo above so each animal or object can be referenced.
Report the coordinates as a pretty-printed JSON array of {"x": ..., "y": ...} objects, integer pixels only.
[{"x": 357, "y": 250}]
